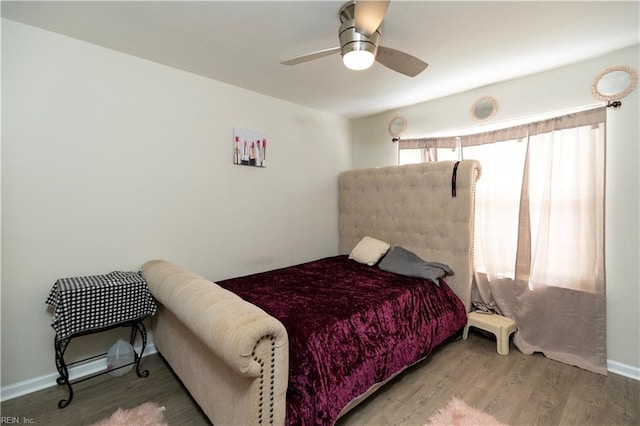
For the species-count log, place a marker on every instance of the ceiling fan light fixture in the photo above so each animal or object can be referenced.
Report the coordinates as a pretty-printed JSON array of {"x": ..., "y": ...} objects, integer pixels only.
[
  {"x": 359, "y": 36},
  {"x": 358, "y": 59},
  {"x": 358, "y": 50}
]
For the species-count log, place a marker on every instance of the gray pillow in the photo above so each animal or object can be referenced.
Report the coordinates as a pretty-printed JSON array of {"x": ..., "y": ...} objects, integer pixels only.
[{"x": 404, "y": 262}]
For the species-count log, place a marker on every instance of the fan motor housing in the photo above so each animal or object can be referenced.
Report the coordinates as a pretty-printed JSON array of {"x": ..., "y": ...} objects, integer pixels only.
[{"x": 351, "y": 40}]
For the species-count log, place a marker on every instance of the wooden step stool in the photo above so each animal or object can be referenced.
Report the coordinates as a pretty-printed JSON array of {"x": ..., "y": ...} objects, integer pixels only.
[{"x": 500, "y": 326}]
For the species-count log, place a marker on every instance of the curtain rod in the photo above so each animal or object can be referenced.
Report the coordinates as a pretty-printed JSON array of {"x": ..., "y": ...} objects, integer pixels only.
[{"x": 465, "y": 131}]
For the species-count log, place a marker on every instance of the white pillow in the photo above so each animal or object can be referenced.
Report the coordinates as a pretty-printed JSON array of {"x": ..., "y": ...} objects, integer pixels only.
[{"x": 369, "y": 251}]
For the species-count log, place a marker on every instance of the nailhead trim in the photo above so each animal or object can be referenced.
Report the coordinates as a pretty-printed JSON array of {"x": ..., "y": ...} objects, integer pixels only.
[{"x": 271, "y": 380}]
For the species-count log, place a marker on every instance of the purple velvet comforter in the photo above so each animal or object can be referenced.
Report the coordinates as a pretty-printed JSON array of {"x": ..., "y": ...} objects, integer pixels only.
[{"x": 350, "y": 326}]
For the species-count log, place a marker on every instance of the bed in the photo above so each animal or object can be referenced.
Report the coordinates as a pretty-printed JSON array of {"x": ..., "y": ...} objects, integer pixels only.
[{"x": 305, "y": 344}]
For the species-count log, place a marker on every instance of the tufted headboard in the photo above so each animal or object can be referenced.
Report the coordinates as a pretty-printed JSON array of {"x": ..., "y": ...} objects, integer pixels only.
[{"x": 412, "y": 206}]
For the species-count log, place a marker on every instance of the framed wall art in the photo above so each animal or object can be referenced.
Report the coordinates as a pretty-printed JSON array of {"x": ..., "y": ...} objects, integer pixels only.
[{"x": 249, "y": 148}]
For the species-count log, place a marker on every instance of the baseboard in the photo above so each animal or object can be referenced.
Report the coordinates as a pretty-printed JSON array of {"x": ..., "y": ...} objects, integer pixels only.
[
  {"x": 623, "y": 369},
  {"x": 75, "y": 372}
]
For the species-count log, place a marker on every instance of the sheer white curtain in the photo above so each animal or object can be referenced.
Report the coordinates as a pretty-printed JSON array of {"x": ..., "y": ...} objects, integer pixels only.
[{"x": 539, "y": 249}]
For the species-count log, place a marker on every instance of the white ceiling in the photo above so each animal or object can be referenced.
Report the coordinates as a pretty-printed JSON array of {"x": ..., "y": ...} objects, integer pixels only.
[{"x": 468, "y": 44}]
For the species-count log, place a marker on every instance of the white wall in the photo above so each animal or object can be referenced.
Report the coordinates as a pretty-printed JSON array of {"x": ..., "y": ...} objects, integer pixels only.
[
  {"x": 560, "y": 89},
  {"x": 109, "y": 161}
]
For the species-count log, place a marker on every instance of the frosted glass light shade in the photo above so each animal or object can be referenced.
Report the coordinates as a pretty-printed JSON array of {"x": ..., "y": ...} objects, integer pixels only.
[{"x": 358, "y": 59}]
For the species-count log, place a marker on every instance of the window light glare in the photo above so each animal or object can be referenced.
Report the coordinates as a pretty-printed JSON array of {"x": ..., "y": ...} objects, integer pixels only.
[{"x": 358, "y": 59}]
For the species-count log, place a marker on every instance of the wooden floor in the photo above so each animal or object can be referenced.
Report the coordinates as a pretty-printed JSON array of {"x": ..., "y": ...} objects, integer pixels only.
[{"x": 517, "y": 389}]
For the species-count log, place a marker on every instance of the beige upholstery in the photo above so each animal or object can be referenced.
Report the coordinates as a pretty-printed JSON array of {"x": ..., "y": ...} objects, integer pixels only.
[
  {"x": 234, "y": 358},
  {"x": 225, "y": 350},
  {"x": 412, "y": 206}
]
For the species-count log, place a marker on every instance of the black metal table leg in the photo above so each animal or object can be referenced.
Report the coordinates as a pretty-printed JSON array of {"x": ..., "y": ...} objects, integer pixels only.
[
  {"x": 139, "y": 327},
  {"x": 60, "y": 348}
]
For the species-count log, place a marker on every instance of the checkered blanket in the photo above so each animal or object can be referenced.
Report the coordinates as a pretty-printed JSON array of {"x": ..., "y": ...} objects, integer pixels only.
[{"x": 91, "y": 303}]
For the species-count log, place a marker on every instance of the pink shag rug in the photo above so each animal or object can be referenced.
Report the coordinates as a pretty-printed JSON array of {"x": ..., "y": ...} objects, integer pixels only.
[
  {"x": 147, "y": 414},
  {"x": 457, "y": 413}
]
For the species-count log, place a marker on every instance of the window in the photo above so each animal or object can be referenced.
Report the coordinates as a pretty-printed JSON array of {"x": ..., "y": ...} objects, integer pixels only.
[{"x": 539, "y": 229}]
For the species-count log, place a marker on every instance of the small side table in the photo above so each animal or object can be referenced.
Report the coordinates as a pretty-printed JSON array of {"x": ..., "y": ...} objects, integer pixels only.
[
  {"x": 87, "y": 305},
  {"x": 500, "y": 326}
]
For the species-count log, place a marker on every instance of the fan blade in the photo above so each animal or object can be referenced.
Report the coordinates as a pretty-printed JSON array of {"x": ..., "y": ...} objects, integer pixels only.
[
  {"x": 400, "y": 61},
  {"x": 311, "y": 56},
  {"x": 369, "y": 14}
]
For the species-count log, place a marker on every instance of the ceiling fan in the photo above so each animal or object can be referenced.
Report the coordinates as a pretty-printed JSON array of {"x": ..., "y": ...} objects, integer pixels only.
[{"x": 359, "y": 36}]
